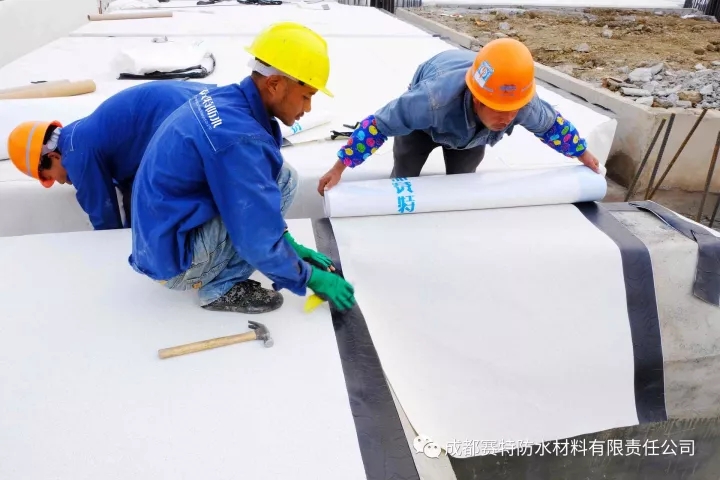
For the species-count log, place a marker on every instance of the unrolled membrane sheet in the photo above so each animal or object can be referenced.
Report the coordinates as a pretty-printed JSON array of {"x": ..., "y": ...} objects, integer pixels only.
[
  {"x": 496, "y": 328},
  {"x": 486, "y": 189}
]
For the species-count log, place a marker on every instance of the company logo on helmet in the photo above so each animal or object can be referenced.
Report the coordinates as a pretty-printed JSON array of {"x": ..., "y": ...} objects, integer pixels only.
[
  {"x": 508, "y": 89},
  {"x": 483, "y": 73}
]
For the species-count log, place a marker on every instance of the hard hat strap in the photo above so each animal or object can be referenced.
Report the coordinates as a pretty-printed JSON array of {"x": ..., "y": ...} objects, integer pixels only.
[
  {"x": 51, "y": 144},
  {"x": 267, "y": 70}
]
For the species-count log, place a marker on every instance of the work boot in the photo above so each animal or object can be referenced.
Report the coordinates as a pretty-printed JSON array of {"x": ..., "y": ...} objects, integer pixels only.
[{"x": 247, "y": 297}]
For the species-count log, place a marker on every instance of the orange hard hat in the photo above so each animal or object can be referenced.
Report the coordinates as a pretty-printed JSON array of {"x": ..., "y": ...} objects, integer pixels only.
[
  {"x": 502, "y": 76},
  {"x": 25, "y": 146}
]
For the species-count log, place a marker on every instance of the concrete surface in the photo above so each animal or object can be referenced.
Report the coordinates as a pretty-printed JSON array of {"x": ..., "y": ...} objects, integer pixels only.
[
  {"x": 679, "y": 201},
  {"x": 636, "y": 124},
  {"x": 29, "y": 24},
  {"x": 690, "y": 328}
]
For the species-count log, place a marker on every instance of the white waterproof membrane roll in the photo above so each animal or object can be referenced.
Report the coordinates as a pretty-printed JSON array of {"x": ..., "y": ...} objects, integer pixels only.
[
  {"x": 309, "y": 121},
  {"x": 473, "y": 191}
]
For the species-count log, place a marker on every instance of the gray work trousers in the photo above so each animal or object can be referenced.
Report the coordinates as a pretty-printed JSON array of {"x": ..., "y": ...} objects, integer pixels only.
[{"x": 411, "y": 151}]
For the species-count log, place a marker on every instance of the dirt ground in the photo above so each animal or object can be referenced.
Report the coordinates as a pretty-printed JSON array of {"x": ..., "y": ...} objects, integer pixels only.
[{"x": 638, "y": 38}]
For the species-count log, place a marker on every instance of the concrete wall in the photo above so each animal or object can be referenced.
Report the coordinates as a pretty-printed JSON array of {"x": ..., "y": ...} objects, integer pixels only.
[
  {"x": 636, "y": 125},
  {"x": 26, "y": 25}
]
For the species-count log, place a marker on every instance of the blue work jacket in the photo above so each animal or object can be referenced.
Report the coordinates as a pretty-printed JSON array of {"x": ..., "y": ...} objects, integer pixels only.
[
  {"x": 439, "y": 103},
  {"x": 219, "y": 154},
  {"x": 104, "y": 149}
]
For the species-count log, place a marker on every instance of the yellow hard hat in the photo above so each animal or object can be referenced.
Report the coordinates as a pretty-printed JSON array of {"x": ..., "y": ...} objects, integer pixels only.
[{"x": 296, "y": 51}]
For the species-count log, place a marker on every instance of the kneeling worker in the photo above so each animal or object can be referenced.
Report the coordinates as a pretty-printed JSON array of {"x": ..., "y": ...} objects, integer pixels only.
[
  {"x": 212, "y": 189},
  {"x": 461, "y": 101},
  {"x": 102, "y": 151}
]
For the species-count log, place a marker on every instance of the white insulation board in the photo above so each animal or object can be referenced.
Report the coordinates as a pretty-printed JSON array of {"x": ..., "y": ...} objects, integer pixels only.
[
  {"x": 28, "y": 208},
  {"x": 84, "y": 395},
  {"x": 503, "y": 324},
  {"x": 241, "y": 19}
]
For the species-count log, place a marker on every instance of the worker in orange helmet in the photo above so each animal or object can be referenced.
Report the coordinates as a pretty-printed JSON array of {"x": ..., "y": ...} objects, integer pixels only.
[
  {"x": 100, "y": 153},
  {"x": 461, "y": 101}
]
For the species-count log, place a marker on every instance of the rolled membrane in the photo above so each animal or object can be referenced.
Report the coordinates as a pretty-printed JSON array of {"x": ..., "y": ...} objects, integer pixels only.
[
  {"x": 472, "y": 191},
  {"x": 308, "y": 121}
]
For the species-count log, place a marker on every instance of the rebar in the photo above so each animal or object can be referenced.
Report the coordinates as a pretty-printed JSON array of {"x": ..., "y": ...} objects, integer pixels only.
[
  {"x": 711, "y": 171},
  {"x": 715, "y": 210},
  {"x": 660, "y": 155},
  {"x": 677, "y": 154},
  {"x": 644, "y": 161}
]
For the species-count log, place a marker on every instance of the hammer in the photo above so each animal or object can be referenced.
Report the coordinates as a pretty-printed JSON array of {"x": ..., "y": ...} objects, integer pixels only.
[{"x": 259, "y": 332}]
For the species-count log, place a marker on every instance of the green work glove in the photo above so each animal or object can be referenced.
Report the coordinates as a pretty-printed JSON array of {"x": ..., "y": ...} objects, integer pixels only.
[
  {"x": 311, "y": 256},
  {"x": 332, "y": 287}
]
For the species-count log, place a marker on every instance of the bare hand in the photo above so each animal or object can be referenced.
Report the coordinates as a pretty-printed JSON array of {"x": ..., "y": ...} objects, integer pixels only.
[
  {"x": 330, "y": 179},
  {"x": 589, "y": 160}
]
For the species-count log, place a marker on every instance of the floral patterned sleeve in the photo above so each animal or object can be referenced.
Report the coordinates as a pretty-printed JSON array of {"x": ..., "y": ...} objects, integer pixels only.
[
  {"x": 363, "y": 142},
  {"x": 564, "y": 138}
]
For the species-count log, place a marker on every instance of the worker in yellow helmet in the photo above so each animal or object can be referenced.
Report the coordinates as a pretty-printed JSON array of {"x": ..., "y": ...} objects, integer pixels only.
[{"x": 210, "y": 194}]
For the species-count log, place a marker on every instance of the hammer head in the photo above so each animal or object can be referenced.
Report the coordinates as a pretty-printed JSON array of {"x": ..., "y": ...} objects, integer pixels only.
[{"x": 261, "y": 333}]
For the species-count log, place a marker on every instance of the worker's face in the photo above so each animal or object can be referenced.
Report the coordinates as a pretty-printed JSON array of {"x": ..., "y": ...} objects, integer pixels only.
[
  {"x": 55, "y": 171},
  {"x": 493, "y": 119},
  {"x": 289, "y": 100}
]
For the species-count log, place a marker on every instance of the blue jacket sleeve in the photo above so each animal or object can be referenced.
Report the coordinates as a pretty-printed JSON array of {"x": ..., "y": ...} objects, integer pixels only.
[
  {"x": 410, "y": 111},
  {"x": 96, "y": 192},
  {"x": 248, "y": 199},
  {"x": 548, "y": 125}
]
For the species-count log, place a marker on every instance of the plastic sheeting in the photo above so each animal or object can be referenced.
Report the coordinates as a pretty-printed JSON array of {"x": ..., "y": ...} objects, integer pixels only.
[
  {"x": 493, "y": 189},
  {"x": 163, "y": 56},
  {"x": 523, "y": 332},
  {"x": 84, "y": 391}
]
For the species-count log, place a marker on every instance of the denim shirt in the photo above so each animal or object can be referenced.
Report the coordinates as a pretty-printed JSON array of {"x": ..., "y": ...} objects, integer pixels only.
[{"x": 439, "y": 103}]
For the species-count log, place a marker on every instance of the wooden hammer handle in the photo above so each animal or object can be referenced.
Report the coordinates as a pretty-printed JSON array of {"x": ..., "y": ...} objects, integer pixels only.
[{"x": 205, "y": 345}]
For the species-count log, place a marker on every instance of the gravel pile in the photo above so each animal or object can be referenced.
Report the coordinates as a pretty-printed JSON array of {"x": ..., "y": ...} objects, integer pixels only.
[{"x": 657, "y": 86}]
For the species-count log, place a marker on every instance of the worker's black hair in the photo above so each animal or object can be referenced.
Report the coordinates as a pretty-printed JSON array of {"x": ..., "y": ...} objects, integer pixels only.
[{"x": 45, "y": 162}]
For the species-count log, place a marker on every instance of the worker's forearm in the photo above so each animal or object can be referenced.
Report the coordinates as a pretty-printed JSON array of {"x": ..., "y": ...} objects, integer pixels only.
[
  {"x": 364, "y": 141},
  {"x": 564, "y": 137}
]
